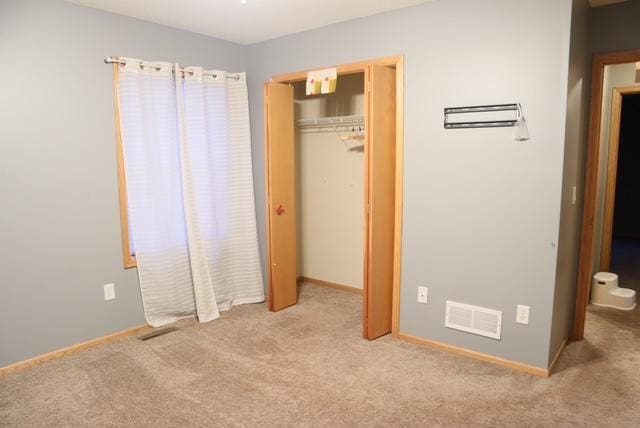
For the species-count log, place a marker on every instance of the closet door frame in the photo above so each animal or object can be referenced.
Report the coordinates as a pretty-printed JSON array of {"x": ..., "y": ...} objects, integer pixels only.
[{"x": 396, "y": 62}]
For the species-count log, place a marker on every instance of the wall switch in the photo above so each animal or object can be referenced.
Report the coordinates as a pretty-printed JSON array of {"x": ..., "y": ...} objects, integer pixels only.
[
  {"x": 423, "y": 293},
  {"x": 522, "y": 314},
  {"x": 109, "y": 292},
  {"x": 574, "y": 195}
]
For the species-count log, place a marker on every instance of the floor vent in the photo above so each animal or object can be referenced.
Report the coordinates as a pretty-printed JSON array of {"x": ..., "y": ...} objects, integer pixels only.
[
  {"x": 473, "y": 319},
  {"x": 157, "y": 332}
]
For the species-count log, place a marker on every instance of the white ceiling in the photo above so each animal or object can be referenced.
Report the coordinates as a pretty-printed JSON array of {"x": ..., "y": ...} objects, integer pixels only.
[{"x": 254, "y": 21}]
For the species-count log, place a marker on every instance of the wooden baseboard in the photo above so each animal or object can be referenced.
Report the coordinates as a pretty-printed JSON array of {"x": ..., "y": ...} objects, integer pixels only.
[
  {"x": 536, "y": 371},
  {"x": 555, "y": 359},
  {"x": 41, "y": 359},
  {"x": 330, "y": 285}
]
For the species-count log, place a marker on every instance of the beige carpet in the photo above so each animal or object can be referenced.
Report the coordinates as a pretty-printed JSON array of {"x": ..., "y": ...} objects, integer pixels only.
[{"x": 308, "y": 366}]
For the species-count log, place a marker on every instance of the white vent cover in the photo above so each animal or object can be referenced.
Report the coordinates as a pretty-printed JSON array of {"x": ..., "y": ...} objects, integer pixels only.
[{"x": 473, "y": 319}]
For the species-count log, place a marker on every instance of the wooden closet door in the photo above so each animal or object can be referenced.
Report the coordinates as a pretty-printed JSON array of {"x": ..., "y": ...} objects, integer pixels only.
[
  {"x": 380, "y": 200},
  {"x": 283, "y": 291}
]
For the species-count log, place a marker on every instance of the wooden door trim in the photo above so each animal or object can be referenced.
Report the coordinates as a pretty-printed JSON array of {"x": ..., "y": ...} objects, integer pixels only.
[
  {"x": 397, "y": 62},
  {"x": 612, "y": 169},
  {"x": 267, "y": 173},
  {"x": 585, "y": 264},
  {"x": 367, "y": 202},
  {"x": 398, "y": 219},
  {"x": 128, "y": 259}
]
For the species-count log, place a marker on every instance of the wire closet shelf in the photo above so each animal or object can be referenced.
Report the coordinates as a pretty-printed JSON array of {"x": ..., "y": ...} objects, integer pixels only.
[
  {"x": 349, "y": 129},
  {"x": 331, "y": 122}
]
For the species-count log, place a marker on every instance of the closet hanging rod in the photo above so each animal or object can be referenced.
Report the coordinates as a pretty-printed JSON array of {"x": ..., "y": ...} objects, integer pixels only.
[{"x": 116, "y": 60}]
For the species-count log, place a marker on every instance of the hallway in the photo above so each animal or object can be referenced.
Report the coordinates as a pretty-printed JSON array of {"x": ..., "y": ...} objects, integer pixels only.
[{"x": 625, "y": 262}]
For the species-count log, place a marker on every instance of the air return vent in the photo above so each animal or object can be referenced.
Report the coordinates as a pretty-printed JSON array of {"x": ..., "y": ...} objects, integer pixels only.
[{"x": 473, "y": 319}]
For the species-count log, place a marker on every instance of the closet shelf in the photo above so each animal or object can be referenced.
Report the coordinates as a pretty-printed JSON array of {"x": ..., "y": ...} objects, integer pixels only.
[{"x": 331, "y": 122}]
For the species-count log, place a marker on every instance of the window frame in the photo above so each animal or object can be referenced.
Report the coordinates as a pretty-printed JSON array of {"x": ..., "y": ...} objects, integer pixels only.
[{"x": 129, "y": 260}]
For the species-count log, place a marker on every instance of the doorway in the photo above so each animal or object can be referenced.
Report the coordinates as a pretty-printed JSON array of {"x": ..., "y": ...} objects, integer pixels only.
[
  {"x": 329, "y": 147},
  {"x": 621, "y": 237},
  {"x": 600, "y": 194},
  {"x": 382, "y": 140}
]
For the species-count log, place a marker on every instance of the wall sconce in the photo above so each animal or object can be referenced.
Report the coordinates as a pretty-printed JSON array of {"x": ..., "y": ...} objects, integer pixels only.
[
  {"x": 522, "y": 131},
  {"x": 518, "y": 122}
]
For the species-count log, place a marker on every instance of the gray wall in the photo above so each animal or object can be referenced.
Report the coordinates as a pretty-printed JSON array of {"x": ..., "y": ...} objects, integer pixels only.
[
  {"x": 573, "y": 175},
  {"x": 59, "y": 223},
  {"x": 481, "y": 211},
  {"x": 615, "y": 27}
]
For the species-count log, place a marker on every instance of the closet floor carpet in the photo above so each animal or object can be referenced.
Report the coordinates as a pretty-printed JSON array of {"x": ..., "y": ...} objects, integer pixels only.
[{"x": 308, "y": 366}]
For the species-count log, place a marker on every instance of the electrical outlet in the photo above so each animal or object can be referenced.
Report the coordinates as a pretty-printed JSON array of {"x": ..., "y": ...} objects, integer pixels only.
[
  {"x": 109, "y": 292},
  {"x": 423, "y": 293},
  {"x": 522, "y": 314}
]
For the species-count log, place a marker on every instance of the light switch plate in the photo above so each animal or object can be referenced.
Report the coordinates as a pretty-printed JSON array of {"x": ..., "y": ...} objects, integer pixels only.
[
  {"x": 109, "y": 291},
  {"x": 423, "y": 294},
  {"x": 522, "y": 314}
]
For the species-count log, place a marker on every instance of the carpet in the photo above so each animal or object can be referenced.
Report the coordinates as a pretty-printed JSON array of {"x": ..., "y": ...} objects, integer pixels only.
[{"x": 309, "y": 366}]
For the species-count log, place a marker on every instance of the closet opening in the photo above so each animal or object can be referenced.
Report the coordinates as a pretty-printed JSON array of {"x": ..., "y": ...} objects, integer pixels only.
[
  {"x": 329, "y": 157},
  {"x": 334, "y": 188},
  {"x": 609, "y": 271}
]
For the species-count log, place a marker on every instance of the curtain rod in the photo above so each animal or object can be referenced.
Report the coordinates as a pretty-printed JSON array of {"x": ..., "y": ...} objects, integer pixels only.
[{"x": 115, "y": 60}]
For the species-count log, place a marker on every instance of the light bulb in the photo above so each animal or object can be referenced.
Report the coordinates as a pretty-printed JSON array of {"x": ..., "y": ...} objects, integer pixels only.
[{"x": 522, "y": 131}]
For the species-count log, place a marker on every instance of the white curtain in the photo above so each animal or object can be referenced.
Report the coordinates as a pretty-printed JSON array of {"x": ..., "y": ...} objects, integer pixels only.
[{"x": 187, "y": 152}]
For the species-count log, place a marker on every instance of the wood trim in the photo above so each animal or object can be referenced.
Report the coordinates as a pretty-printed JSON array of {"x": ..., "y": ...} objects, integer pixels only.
[
  {"x": 367, "y": 199},
  {"x": 341, "y": 287},
  {"x": 74, "y": 349},
  {"x": 397, "y": 253},
  {"x": 555, "y": 358},
  {"x": 612, "y": 170},
  {"x": 267, "y": 193},
  {"x": 355, "y": 67},
  {"x": 128, "y": 259},
  {"x": 532, "y": 370},
  {"x": 585, "y": 265}
]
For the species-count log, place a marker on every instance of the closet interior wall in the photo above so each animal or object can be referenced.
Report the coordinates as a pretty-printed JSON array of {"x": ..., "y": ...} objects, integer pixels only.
[{"x": 330, "y": 187}]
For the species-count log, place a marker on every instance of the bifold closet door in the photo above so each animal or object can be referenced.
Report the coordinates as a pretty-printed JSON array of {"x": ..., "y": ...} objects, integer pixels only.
[
  {"x": 283, "y": 290},
  {"x": 380, "y": 200}
]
